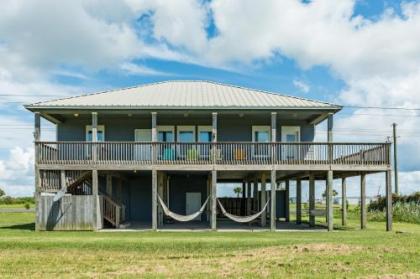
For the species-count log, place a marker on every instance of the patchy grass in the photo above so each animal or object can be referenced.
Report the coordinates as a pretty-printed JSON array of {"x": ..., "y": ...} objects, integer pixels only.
[
  {"x": 16, "y": 205},
  {"x": 348, "y": 252}
]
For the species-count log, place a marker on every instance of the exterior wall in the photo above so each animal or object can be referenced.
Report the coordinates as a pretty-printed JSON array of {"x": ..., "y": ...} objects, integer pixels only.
[
  {"x": 69, "y": 213},
  {"x": 138, "y": 198},
  {"x": 230, "y": 128},
  {"x": 180, "y": 185}
]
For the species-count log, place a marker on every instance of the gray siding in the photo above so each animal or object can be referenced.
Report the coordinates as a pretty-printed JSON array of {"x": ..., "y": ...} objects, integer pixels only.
[
  {"x": 139, "y": 198},
  {"x": 69, "y": 213},
  {"x": 232, "y": 128}
]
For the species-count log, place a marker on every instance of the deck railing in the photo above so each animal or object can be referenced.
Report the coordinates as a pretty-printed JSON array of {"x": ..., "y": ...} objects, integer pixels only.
[{"x": 223, "y": 153}]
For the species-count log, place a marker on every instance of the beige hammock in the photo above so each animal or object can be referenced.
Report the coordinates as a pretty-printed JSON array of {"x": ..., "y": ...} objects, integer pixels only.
[
  {"x": 242, "y": 219},
  {"x": 179, "y": 217}
]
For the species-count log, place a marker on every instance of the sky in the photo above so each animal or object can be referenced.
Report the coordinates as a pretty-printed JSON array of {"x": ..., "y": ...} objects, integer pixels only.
[{"x": 356, "y": 53}]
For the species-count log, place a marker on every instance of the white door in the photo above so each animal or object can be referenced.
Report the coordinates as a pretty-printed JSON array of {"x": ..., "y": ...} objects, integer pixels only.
[
  {"x": 290, "y": 134},
  {"x": 193, "y": 203},
  {"x": 143, "y": 151},
  {"x": 261, "y": 134}
]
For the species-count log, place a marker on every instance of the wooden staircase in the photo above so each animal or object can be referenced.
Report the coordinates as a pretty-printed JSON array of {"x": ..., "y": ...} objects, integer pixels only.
[{"x": 112, "y": 211}]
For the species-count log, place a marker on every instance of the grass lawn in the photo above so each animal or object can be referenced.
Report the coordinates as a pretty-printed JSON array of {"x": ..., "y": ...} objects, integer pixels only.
[
  {"x": 347, "y": 252},
  {"x": 17, "y": 205}
]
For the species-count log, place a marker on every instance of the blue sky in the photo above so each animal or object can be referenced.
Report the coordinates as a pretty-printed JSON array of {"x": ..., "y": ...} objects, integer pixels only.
[{"x": 356, "y": 53}]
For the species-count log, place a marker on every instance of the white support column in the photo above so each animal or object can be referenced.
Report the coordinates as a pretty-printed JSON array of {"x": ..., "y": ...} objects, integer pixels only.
[
  {"x": 213, "y": 200},
  {"x": 214, "y": 127},
  {"x": 95, "y": 193},
  {"x": 329, "y": 197},
  {"x": 298, "y": 201},
  {"x": 388, "y": 191},
  {"x": 263, "y": 199},
  {"x": 62, "y": 179},
  {"x": 94, "y": 134},
  {"x": 154, "y": 200},
  {"x": 154, "y": 127},
  {"x": 343, "y": 202},
  {"x": 363, "y": 217},
  {"x": 311, "y": 199},
  {"x": 37, "y": 172},
  {"x": 273, "y": 218}
]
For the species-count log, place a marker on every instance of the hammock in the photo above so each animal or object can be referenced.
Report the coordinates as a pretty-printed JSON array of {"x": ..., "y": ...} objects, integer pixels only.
[
  {"x": 182, "y": 218},
  {"x": 242, "y": 219}
]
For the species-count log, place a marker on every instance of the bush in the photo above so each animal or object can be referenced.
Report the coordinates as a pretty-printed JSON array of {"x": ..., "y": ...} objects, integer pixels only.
[
  {"x": 402, "y": 212},
  {"x": 27, "y": 206},
  {"x": 20, "y": 200},
  {"x": 380, "y": 203}
]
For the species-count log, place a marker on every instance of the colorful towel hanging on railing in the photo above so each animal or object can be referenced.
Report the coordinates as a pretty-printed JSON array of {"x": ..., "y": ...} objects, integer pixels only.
[
  {"x": 179, "y": 217},
  {"x": 242, "y": 219}
]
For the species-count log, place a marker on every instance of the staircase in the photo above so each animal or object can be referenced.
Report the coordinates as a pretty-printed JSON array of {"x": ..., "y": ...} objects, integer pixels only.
[{"x": 112, "y": 211}]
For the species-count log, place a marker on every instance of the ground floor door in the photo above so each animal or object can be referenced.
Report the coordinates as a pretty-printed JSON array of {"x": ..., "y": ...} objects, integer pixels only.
[{"x": 193, "y": 203}]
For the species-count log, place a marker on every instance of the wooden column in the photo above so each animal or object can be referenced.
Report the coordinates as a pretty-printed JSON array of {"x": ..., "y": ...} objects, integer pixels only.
[
  {"x": 244, "y": 189},
  {"x": 273, "y": 126},
  {"x": 273, "y": 201},
  {"x": 263, "y": 199},
  {"x": 213, "y": 200},
  {"x": 248, "y": 197},
  {"x": 298, "y": 201},
  {"x": 160, "y": 178},
  {"x": 109, "y": 185},
  {"x": 329, "y": 197},
  {"x": 311, "y": 199},
  {"x": 388, "y": 191},
  {"x": 208, "y": 207},
  {"x": 343, "y": 202},
  {"x": 255, "y": 188},
  {"x": 154, "y": 200},
  {"x": 95, "y": 193},
  {"x": 363, "y": 216},
  {"x": 287, "y": 194},
  {"x": 37, "y": 174},
  {"x": 154, "y": 127},
  {"x": 62, "y": 179},
  {"x": 330, "y": 127},
  {"x": 94, "y": 134},
  {"x": 214, "y": 127}
]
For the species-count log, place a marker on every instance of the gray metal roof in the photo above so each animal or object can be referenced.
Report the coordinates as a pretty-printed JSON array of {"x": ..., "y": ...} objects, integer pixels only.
[{"x": 184, "y": 95}]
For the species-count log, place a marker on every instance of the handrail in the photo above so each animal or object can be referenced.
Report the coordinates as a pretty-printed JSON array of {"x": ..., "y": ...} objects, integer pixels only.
[
  {"x": 220, "y": 153},
  {"x": 112, "y": 211}
]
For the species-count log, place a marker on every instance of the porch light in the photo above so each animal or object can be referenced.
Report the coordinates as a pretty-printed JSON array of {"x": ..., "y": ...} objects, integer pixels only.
[{"x": 76, "y": 115}]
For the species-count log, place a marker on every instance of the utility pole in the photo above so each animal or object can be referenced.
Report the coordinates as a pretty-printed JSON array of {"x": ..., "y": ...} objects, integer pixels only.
[{"x": 394, "y": 131}]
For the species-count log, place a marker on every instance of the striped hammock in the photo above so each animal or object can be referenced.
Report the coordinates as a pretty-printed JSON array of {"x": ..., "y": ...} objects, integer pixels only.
[{"x": 242, "y": 219}]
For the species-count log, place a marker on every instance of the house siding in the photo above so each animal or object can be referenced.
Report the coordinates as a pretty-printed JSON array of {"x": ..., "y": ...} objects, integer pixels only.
[{"x": 229, "y": 128}]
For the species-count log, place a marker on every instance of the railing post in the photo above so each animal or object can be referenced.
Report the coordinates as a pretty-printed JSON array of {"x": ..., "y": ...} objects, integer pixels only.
[
  {"x": 273, "y": 136},
  {"x": 94, "y": 135},
  {"x": 117, "y": 216}
]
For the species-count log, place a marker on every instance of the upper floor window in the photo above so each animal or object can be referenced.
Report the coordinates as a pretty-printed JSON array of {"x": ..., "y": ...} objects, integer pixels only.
[
  {"x": 261, "y": 133},
  {"x": 166, "y": 133},
  {"x": 186, "y": 133},
  {"x": 204, "y": 133},
  {"x": 100, "y": 133},
  {"x": 290, "y": 133}
]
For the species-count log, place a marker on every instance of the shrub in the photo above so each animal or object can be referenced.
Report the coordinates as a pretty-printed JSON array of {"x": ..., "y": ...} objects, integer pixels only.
[
  {"x": 27, "y": 206},
  {"x": 380, "y": 203}
]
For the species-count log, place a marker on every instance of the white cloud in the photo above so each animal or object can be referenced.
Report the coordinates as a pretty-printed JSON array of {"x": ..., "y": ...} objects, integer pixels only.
[
  {"x": 301, "y": 85},
  {"x": 135, "y": 69},
  {"x": 16, "y": 172}
]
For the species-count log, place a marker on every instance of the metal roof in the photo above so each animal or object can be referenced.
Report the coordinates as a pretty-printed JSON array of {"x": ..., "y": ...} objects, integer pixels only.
[{"x": 184, "y": 95}]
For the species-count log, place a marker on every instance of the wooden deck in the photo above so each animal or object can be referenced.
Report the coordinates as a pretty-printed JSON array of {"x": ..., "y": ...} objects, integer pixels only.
[{"x": 207, "y": 156}]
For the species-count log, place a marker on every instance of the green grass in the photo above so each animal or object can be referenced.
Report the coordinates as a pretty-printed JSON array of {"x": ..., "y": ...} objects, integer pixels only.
[
  {"x": 17, "y": 205},
  {"x": 347, "y": 252}
]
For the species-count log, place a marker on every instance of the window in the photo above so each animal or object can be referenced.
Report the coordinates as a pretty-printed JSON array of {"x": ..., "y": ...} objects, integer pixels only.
[
  {"x": 166, "y": 133},
  {"x": 261, "y": 133},
  {"x": 100, "y": 133},
  {"x": 290, "y": 133},
  {"x": 204, "y": 133},
  {"x": 186, "y": 133}
]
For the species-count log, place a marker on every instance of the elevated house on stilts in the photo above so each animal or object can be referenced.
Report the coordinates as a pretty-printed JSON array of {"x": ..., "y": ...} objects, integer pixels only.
[{"x": 152, "y": 157}]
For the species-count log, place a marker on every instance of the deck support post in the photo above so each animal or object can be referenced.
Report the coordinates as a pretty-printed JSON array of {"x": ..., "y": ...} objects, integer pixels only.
[
  {"x": 329, "y": 198},
  {"x": 343, "y": 202},
  {"x": 263, "y": 199},
  {"x": 255, "y": 193},
  {"x": 95, "y": 193},
  {"x": 248, "y": 197},
  {"x": 298, "y": 201},
  {"x": 311, "y": 200},
  {"x": 363, "y": 217},
  {"x": 109, "y": 185},
  {"x": 94, "y": 134},
  {"x": 388, "y": 190},
  {"x": 273, "y": 200},
  {"x": 160, "y": 187},
  {"x": 37, "y": 174},
  {"x": 154, "y": 200},
  {"x": 213, "y": 200},
  {"x": 287, "y": 199}
]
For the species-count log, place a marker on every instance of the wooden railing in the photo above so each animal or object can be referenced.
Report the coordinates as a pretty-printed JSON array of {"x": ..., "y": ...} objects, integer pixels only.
[
  {"x": 223, "y": 153},
  {"x": 112, "y": 211}
]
